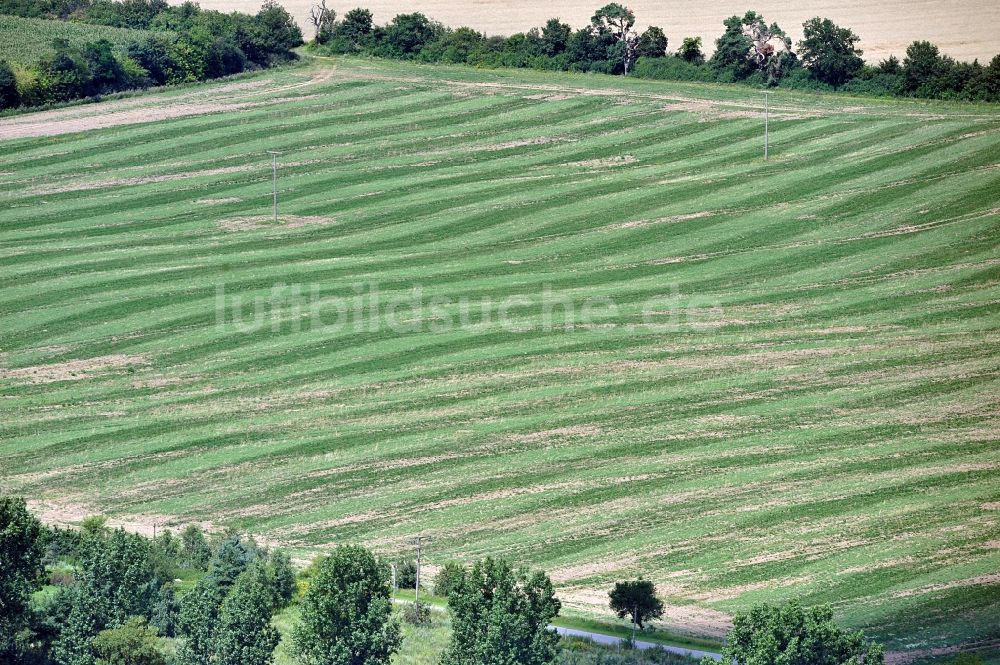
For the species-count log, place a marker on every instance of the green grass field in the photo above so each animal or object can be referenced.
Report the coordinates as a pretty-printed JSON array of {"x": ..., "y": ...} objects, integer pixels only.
[
  {"x": 778, "y": 379},
  {"x": 29, "y": 40}
]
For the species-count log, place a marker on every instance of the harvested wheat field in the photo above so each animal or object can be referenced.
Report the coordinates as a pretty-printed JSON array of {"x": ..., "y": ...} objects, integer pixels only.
[{"x": 571, "y": 319}]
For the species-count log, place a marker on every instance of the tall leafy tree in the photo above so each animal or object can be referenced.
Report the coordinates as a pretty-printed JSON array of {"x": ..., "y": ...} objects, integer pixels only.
[
  {"x": 652, "y": 43},
  {"x": 245, "y": 635},
  {"x": 409, "y": 33},
  {"x": 9, "y": 97},
  {"x": 347, "y": 612},
  {"x": 793, "y": 634},
  {"x": 501, "y": 616},
  {"x": 196, "y": 623},
  {"x": 829, "y": 51},
  {"x": 614, "y": 18},
  {"x": 636, "y": 599},
  {"x": 196, "y": 550},
  {"x": 922, "y": 64},
  {"x": 198, "y": 619},
  {"x": 115, "y": 581},
  {"x": 281, "y": 577},
  {"x": 750, "y": 45},
  {"x": 555, "y": 36},
  {"x": 20, "y": 571},
  {"x": 732, "y": 50},
  {"x": 690, "y": 51}
]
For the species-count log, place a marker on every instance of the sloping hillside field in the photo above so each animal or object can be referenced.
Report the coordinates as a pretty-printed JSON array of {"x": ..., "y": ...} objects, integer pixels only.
[{"x": 573, "y": 320}]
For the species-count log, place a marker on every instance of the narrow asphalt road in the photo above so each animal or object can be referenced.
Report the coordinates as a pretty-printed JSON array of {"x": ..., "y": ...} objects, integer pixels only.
[
  {"x": 601, "y": 638},
  {"x": 611, "y": 640}
]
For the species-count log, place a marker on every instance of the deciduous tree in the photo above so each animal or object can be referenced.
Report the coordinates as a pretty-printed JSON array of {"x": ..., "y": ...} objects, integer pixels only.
[
  {"x": 793, "y": 634},
  {"x": 636, "y": 599},
  {"x": 347, "y": 612},
  {"x": 501, "y": 616},
  {"x": 652, "y": 43},
  {"x": 20, "y": 570},
  {"x": 829, "y": 51},
  {"x": 245, "y": 635}
]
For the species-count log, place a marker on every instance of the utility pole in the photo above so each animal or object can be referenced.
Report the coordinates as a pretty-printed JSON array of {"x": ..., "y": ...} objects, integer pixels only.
[
  {"x": 635, "y": 611},
  {"x": 274, "y": 181},
  {"x": 393, "y": 567},
  {"x": 418, "y": 541},
  {"x": 767, "y": 96}
]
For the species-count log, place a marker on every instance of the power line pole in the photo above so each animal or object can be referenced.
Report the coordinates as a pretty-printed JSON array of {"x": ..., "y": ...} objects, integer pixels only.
[
  {"x": 274, "y": 181},
  {"x": 418, "y": 541},
  {"x": 767, "y": 96}
]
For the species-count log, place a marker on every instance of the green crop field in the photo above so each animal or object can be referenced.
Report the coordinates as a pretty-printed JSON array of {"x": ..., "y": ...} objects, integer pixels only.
[
  {"x": 571, "y": 319},
  {"x": 29, "y": 40}
]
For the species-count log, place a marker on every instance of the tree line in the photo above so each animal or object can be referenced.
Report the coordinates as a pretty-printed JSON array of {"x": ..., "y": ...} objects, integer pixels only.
[
  {"x": 750, "y": 50},
  {"x": 186, "y": 44},
  {"x": 101, "y": 596}
]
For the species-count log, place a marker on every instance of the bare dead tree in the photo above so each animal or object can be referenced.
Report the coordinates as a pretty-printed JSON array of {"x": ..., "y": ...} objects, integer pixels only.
[
  {"x": 766, "y": 39},
  {"x": 322, "y": 20},
  {"x": 630, "y": 49}
]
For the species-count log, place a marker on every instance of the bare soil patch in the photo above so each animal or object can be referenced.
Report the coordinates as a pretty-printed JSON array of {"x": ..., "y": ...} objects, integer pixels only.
[
  {"x": 210, "y": 202},
  {"x": 267, "y": 222},
  {"x": 575, "y": 430},
  {"x": 661, "y": 220},
  {"x": 607, "y": 162},
  {"x": 142, "y": 180},
  {"x": 73, "y": 370}
]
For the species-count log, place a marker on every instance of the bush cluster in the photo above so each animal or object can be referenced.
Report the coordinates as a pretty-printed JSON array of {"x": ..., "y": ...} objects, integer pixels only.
[
  {"x": 187, "y": 44},
  {"x": 749, "y": 51}
]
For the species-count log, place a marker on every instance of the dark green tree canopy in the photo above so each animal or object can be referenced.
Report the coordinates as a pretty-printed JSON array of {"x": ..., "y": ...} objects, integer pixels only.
[
  {"x": 501, "y": 616},
  {"x": 245, "y": 635},
  {"x": 652, "y": 43},
  {"x": 614, "y": 18},
  {"x": 690, "y": 51},
  {"x": 922, "y": 64},
  {"x": 21, "y": 568},
  {"x": 829, "y": 51},
  {"x": 409, "y": 33},
  {"x": 134, "y": 643},
  {"x": 750, "y": 45},
  {"x": 448, "y": 578},
  {"x": 347, "y": 612},
  {"x": 636, "y": 599},
  {"x": 792, "y": 634},
  {"x": 555, "y": 36}
]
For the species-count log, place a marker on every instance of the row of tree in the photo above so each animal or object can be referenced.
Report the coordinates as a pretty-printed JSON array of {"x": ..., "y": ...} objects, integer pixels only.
[
  {"x": 109, "y": 595},
  {"x": 189, "y": 44},
  {"x": 749, "y": 50},
  {"x": 115, "y": 597}
]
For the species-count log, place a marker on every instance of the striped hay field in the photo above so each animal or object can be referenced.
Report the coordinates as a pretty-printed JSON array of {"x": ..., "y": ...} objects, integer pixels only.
[{"x": 609, "y": 339}]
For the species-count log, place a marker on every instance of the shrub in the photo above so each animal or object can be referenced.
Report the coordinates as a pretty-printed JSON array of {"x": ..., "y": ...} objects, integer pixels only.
[
  {"x": 406, "y": 574},
  {"x": 448, "y": 578},
  {"x": 9, "y": 97},
  {"x": 133, "y": 643},
  {"x": 672, "y": 69},
  {"x": 417, "y": 614}
]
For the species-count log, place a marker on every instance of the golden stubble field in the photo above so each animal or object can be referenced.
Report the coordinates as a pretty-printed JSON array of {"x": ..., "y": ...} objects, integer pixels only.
[{"x": 965, "y": 30}]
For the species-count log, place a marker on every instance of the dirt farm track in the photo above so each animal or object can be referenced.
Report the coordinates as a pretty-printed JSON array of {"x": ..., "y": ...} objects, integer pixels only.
[{"x": 964, "y": 29}]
